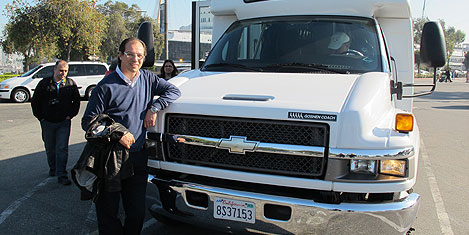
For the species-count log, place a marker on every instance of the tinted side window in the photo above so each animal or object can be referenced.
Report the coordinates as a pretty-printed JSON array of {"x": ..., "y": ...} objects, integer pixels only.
[
  {"x": 95, "y": 69},
  {"x": 45, "y": 72},
  {"x": 76, "y": 70}
]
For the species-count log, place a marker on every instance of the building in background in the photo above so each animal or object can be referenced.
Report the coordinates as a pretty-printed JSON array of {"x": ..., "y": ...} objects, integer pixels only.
[
  {"x": 10, "y": 63},
  {"x": 179, "y": 44},
  {"x": 179, "y": 41},
  {"x": 206, "y": 20},
  {"x": 456, "y": 60}
]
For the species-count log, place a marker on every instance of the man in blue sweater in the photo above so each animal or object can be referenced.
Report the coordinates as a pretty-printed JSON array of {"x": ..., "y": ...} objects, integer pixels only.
[{"x": 126, "y": 95}]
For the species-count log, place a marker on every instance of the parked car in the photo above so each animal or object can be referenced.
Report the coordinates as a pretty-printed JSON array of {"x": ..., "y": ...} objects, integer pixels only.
[
  {"x": 184, "y": 69},
  {"x": 86, "y": 74}
]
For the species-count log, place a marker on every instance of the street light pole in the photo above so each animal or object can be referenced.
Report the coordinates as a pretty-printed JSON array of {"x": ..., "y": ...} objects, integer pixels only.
[
  {"x": 166, "y": 29},
  {"x": 423, "y": 10}
]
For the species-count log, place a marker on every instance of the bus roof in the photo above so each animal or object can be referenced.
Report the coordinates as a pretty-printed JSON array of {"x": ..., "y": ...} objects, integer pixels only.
[{"x": 364, "y": 8}]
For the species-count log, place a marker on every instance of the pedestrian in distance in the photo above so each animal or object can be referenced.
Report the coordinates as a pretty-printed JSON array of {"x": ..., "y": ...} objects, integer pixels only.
[
  {"x": 55, "y": 102},
  {"x": 448, "y": 75},
  {"x": 127, "y": 97},
  {"x": 168, "y": 70}
]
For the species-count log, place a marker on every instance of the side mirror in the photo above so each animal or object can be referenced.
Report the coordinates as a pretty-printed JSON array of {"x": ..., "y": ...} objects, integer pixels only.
[
  {"x": 433, "y": 46},
  {"x": 432, "y": 54},
  {"x": 145, "y": 33}
]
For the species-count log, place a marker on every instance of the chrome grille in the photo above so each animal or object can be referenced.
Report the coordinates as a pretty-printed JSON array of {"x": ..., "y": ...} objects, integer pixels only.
[{"x": 267, "y": 131}]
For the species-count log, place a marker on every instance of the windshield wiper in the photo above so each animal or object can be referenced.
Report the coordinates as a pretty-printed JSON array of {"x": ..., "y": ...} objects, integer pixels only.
[
  {"x": 314, "y": 67},
  {"x": 230, "y": 66}
]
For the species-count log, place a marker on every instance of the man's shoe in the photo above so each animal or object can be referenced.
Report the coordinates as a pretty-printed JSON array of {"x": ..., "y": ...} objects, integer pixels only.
[
  {"x": 64, "y": 180},
  {"x": 52, "y": 172}
]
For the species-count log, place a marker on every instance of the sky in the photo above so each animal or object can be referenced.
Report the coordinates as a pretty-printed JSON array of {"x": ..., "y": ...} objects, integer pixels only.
[
  {"x": 179, "y": 11},
  {"x": 453, "y": 12}
]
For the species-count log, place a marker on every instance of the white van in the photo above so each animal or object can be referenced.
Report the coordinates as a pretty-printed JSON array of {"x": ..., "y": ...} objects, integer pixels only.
[
  {"x": 280, "y": 132},
  {"x": 85, "y": 74}
]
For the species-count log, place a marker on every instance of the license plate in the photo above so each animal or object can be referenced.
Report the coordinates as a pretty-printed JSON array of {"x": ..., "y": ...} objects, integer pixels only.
[{"x": 235, "y": 210}]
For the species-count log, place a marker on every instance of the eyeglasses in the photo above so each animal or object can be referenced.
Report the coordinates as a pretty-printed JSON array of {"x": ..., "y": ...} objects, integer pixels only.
[{"x": 130, "y": 55}]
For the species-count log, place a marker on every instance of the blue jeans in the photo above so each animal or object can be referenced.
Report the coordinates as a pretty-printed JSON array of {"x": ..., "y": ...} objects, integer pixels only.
[{"x": 55, "y": 137}]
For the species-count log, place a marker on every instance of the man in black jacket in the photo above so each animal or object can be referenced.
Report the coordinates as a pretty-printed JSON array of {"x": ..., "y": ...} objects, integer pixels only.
[{"x": 55, "y": 102}]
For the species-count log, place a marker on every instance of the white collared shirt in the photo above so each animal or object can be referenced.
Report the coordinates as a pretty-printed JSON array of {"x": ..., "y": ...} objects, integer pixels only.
[{"x": 126, "y": 79}]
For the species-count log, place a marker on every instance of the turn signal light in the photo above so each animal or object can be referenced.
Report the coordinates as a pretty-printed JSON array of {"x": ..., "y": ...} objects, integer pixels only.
[{"x": 404, "y": 122}]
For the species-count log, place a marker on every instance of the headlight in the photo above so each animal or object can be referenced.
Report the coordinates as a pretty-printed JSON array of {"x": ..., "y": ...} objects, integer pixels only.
[
  {"x": 4, "y": 86},
  {"x": 393, "y": 167},
  {"x": 363, "y": 166}
]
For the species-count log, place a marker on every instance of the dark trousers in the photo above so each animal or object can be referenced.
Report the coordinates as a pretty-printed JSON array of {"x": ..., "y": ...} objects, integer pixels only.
[
  {"x": 55, "y": 137},
  {"x": 133, "y": 199}
]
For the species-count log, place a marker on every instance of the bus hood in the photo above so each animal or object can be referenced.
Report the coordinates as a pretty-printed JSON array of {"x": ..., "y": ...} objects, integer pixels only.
[
  {"x": 244, "y": 93},
  {"x": 358, "y": 108}
]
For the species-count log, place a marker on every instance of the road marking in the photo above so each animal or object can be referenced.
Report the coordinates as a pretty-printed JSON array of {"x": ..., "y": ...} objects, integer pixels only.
[
  {"x": 443, "y": 217},
  {"x": 13, "y": 206}
]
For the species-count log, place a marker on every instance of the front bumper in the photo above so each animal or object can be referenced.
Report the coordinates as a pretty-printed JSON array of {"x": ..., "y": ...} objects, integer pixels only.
[
  {"x": 5, "y": 94},
  {"x": 307, "y": 216}
]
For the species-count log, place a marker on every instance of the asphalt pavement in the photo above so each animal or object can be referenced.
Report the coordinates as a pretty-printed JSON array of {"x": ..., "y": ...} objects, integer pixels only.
[{"x": 31, "y": 202}]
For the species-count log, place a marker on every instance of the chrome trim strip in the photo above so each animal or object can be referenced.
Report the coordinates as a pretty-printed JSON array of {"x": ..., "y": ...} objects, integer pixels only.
[
  {"x": 371, "y": 154},
  {"x": 345, "y": 207},
  {"x": 248, "y": 97},
  {"x": 259, "y": 178},
  {"x": 300, "y": 150},
  {"x": 307, "y": 216},
  {"x": 199, "y": 140},
  {"x": 153, "y": 164}
]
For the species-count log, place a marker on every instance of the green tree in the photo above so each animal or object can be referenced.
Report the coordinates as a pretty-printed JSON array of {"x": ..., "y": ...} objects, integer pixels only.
[
  {"x": 123, "y": 22},
  {"x": 453, "y": 37},
  {"x": 78, "y": 27},
  {"x": 71, "y": 29},
  {"x": 418, "y": 27},
  {"x": 117, "y": 17},
  {"x": 158, "y": 37},
  {"x": 65, "y": 29},
  {"x": 27, "y": 33}
]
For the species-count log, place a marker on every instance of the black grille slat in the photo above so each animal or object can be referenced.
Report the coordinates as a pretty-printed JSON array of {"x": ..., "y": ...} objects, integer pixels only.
[{"x": 265, "y": 131}]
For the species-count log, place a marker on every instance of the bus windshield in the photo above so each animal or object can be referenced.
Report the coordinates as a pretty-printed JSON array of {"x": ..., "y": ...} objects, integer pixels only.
[{"x": 298, "y": 44}]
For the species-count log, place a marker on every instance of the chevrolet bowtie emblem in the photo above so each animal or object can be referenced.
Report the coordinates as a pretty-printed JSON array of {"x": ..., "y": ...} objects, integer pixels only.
[{"x": 237, "y": 144}]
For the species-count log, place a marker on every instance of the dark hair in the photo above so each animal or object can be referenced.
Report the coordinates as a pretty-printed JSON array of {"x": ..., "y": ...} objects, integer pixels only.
[
  {"x": 124, "y": 43},
  {"x": 113, "y": 66},
  {"x": 60, "y": 62},
  {"x": 175, "y": 69}
]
